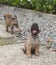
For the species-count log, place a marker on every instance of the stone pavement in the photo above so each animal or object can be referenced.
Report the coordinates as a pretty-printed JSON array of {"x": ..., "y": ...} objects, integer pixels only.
[{"x": 13, "y": 55}]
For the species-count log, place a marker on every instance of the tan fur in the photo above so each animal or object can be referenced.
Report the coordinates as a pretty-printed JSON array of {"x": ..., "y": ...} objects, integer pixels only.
[
  {"x": 49, "y": 43},
  {"x": 11, "y": 22},
  {"x": 32, "y": 44}
]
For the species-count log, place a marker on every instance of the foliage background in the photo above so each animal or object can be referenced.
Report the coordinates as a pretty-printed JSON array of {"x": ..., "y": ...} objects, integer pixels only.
[{"x": 48, "y": 6}]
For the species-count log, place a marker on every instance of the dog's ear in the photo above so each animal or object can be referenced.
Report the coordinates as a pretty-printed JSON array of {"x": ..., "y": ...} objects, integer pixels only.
[
  {"x": 39, "y": 30},
  {"x": 7, "y": 16}
]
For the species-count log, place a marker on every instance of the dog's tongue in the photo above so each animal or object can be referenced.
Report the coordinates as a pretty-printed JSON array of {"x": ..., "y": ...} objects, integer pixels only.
[{"x": 34, "y": 31}]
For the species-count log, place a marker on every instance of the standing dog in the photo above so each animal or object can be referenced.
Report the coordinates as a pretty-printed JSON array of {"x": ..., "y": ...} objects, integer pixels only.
[
  {"x": 11, "y": 21},
  {"x": 32, "y": 44}
]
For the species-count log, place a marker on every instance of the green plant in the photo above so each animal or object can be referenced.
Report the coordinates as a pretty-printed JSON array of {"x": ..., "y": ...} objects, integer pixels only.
[{"x": 48, "y": 6}]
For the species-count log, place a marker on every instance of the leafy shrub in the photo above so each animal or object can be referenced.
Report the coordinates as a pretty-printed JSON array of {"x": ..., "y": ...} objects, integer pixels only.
[{"x": 48, "y": 6}]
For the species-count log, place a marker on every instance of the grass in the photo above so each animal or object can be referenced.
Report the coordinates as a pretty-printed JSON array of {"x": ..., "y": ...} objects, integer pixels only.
[
  {"x": 4, "y": 40},
  {"x": 1, "y": 37},
  {"x": 6, "y": 43}
]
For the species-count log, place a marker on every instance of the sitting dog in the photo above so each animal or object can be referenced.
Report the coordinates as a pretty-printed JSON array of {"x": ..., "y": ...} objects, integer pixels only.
[{"x": 32, "y": 43}]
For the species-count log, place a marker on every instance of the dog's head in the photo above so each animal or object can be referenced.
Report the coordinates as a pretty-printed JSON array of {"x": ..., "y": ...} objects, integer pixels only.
[
  {"x": 35, "y": 29},
  {"x": 8, "y": 16}
]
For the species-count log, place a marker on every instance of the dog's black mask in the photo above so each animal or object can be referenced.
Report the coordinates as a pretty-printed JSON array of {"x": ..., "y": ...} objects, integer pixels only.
[{"x": 35, "y": 29}]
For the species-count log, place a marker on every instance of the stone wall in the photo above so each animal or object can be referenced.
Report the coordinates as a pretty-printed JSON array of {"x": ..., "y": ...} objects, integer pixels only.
[{"x": 46, "y": 22}]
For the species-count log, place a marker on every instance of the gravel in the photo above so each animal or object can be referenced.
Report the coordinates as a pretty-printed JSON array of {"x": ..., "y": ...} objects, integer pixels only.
[{"x": 12, "y": 54}]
